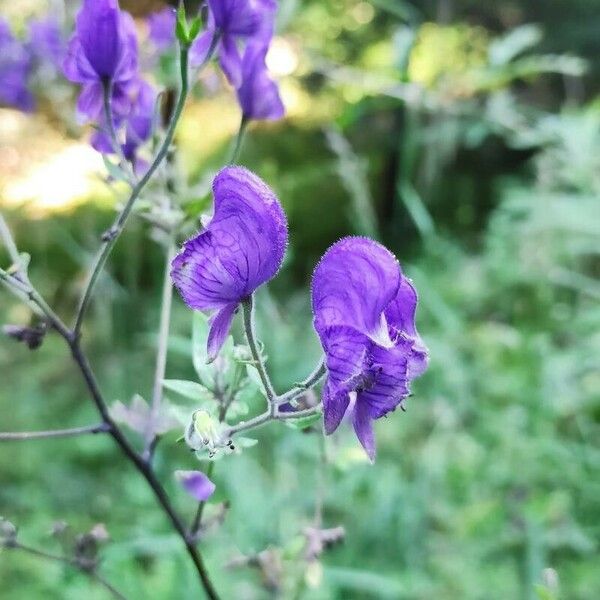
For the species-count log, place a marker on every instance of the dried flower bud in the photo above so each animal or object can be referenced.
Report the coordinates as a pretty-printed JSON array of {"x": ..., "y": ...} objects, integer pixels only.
[{"x": 32, "y": 336}]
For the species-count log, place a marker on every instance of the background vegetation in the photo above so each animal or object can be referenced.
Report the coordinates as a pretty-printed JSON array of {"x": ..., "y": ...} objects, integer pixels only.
[{"x": 466, "y": 137}]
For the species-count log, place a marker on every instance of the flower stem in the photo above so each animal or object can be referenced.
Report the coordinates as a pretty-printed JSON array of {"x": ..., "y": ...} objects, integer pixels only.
[
  {"x": 55, "y": 433},
  {"x": 161, "y": 353},
  {"x": 301, "y": 387},
  {"x": 248, "y": 310},
  {"x": 111, "y": 236},
  {"x": 239, "y": 138},
  {"x": 84, "y": 567}
]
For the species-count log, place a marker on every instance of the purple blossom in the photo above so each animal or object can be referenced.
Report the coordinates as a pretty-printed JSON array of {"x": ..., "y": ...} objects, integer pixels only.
[
  {"x": 240, "y": 249},
  {"x": 258, "y": 94},
  {"x": 102, "y": 51},
  {"x": 196, "y": 484},
  {"x": 46, "y": 42},
  {"x": 15, "y": 69},
  {"x": 364, "y": 311},
  {"x": 161, "y": 28},
  {"x": 235, "y": 21},
  {"x": 137, "y": 127}
]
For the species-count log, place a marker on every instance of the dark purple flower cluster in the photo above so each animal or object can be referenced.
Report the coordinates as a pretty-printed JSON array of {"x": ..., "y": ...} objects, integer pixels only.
[
  {"x": 20, "y": 60},
  {"x": 103, "y": 58},
  {"x": 364, "y": 307},
  {"x": 242, "y": 31}
]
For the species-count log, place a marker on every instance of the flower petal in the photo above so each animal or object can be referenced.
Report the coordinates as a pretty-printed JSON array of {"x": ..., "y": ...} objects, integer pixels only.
[
  {"x": 353, "y": 284},
  {"x": 231, "y": 61},
  {"x": 363, "y": 426},
  {"x": 196, "y": 484},
  {"x": 219, "y": 328}
]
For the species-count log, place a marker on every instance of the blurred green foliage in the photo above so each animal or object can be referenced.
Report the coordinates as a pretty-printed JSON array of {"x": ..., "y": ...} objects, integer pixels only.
[{"x": 461, "y": 136}]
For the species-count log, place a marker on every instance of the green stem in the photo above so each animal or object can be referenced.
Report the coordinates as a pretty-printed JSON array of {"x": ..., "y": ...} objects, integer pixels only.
[
  {"x": 55, "y": 433},
  {"x": 111, "y": 236},
  {"x": 239, "y": 138},
  {"x": 107, "y": 89},
  {"x": 248, "y": 310},
  {"x": 301, "y": 387}
]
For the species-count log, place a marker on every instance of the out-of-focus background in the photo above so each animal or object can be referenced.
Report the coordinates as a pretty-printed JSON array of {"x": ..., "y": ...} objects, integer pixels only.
[{"x": 466, "y": 137}]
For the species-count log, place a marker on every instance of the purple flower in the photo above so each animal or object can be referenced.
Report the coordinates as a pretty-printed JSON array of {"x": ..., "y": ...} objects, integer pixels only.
[
  {"x": 102, "y": 51},
  {"x": 161, "y": 26},
  {"x": 15, "y": 69},
  {"x": 234, "y": 21},
  {"x": 196, "y": 484},
  {"x": 46, "y": 42},
  {"x": 364, "y": 311},
  {"x": 137, "y": 126},
  {"x": 258, "y": 94},
  {"x": 241, "y": 248}
]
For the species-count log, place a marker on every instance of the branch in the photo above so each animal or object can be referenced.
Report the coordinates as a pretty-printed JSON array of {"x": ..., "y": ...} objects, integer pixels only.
[
  {"x": 111, "y": 236},
  {"x": 301, "y": 387},
  {"x": 55, "y": 433},
  {"x": 86, "y": 567},
  {"x": 269, "y": 416},
  {"x": 248, "y": 310}
]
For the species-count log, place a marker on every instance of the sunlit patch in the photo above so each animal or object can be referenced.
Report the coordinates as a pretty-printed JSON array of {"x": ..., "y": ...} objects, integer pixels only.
[
  {"x": 282, "y": 59},
  {"x": 61, "y": 181}
]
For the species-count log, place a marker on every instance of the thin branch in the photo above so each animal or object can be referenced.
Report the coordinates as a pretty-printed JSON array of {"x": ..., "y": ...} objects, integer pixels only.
[
  {"x": 269, "y": 416},
  {"x": 161, "y": 353},
  {"x": 8, "y": 241},
  {"x": 301, "y": 387},
  {"x": 111, "y": 236},
  {"x": 54, "y": 433},
  {"x": 248, "y": 310},
  {"x": 86, "y": 567}
]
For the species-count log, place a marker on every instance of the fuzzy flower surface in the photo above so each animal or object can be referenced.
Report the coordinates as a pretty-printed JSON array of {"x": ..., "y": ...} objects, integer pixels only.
[
  {"x": 364, "y": 313},
  {"x": 241, "y": 248},
  {"x": 235, "y": 22},
  {"x": 102, "y": 51},
  {"x": 15, "y": 69}
]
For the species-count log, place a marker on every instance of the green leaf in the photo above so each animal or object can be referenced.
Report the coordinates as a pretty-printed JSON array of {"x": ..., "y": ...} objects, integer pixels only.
[
  {"x": 181, "y": 28},
  {"x": 303, "y": 422},
  {"x": 188, "y": 389},
  {"x": 195, "y": 29},
  {"x": 114, "y": 170},
  {"x": 244, "y": 442}
]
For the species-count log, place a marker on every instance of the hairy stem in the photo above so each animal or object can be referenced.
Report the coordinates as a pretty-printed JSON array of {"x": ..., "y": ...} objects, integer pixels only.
[
  {"x": 54, "y": 433},
  {"x": 86, "y": 568},
  {"x": 161, "y": 352},
  {"x": 111, "y": 236},
  {"x": 248, "y": 310}
]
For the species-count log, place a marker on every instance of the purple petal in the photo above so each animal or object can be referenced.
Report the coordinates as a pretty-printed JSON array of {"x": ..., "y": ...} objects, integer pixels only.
[
  {"x": 196, "y": 484},
  {"x": 258, "y": 94},
  {"x": 219, "y": 328},
  {"x": 237, "y": 17},
  {"x": 400, "y": 315},
  {"x": 231, "y": 61},
  {"x": 200, "y": 48},
  {"x": 161, "y": 26},
  {"x": 363, "y": 426},
  {"x": 353, "y": 284},
  {"x": 241, "y": 248},
  {"x": 98, "y": 30},
  {"x": 89, "y": 103},
  {"x": 335, "y": 405},
  {"x": 76, "y": 66},
  {"x": 388, "y": 384}
]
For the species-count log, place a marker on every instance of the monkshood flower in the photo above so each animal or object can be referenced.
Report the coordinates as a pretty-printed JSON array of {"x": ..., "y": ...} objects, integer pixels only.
[
  {"x": 241, "y": 248},
  {"x": 161, "y": 28},
  {"x": 258, "y": 94},
  {"x": 15, "y": 69},
  {"x": 196, "y": 484},
  {"x": 137, "y": 126},
  {"x": 234, "y": 21},
  {"x": 364, "y": 310},
  {"x": 102, "y": 51},
  {"x": 46, "y": 42}
]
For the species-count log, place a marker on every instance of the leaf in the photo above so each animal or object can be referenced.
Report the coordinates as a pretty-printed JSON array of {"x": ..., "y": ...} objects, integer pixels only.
[
  {"x": 188, "y": 389},
  {"x": 195, "y": 29},
  {"x": 509, "y": 46},
  {"x": 181, "y": 28},
  {"x": 115, "y": 172},
  {"x": 244, "y": 442},
  {"x": 303, "y": 422}
]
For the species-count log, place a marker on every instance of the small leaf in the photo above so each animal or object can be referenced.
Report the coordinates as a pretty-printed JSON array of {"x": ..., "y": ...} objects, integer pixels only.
[
  {"x": 254, "y": 377},
  {"x": 181, "y": 28},
  {"x": 188, "y": 389},
  {"x": 244, "y": 442},
  {"x": 195, "y": 29},
  {"x": 115, "y": 172},
  {"x": 303, "y": 422}
]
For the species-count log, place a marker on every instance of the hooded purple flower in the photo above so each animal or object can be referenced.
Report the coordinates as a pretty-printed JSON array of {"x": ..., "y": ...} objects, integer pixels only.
[
  {"x": 196, "y": 484},
  {"x": 102, "y": 51},
  {"x": 46, "y": 41},
  {"x": 15, "y": 69},
  {"x": 161, "y": 26},
  {"x": 258, "y": 94},
  {"x": 364, "y": 311},
  {"x": 234, "y": 21},
  {"x": 241, "y": 248}
]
